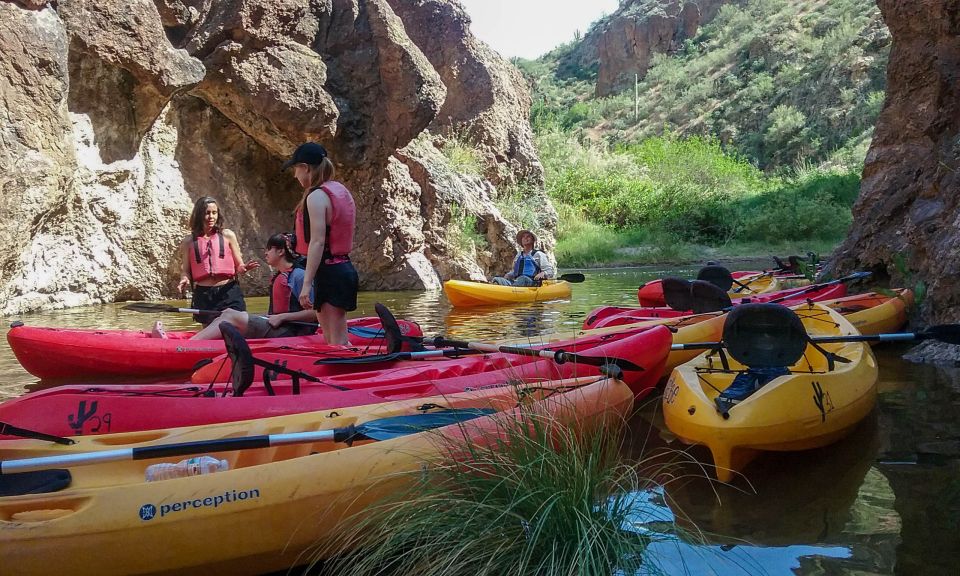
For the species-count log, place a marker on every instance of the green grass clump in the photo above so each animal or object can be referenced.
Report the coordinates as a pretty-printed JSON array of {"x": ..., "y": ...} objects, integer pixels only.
[{"x": 537, "y": 498}]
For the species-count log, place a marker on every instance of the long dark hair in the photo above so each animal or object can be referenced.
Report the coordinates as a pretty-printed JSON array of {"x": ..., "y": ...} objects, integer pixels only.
[
  {"x": 286, "y": 241},
  {"x": 199, "y": 210}
]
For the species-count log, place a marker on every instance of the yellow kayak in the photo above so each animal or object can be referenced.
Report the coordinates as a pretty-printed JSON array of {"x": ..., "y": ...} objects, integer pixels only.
[
  {"x": 874, "y": 313},
  {"x": 464, "y": 293},
  {"x": 813, "y": 403},
  {"x": 263, "y": 514}
]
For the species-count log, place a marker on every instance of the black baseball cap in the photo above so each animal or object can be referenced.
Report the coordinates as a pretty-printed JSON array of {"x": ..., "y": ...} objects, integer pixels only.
[{"x": 307, "y": 153}]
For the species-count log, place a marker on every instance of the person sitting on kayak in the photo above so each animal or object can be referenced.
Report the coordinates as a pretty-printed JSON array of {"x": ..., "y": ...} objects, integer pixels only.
[
  {"x": 531, "y": 266},
  {"x": 284, "y": 299},
  {"x": 211, "y": 262}
]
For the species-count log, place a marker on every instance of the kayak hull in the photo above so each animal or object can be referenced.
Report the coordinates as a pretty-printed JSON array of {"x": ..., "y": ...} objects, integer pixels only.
[
  {"x": 462, "y": 293},
  {"x": 74, "y": 353},
  {"x": 266, "y": 513},
  {"x": 82, "y": 410},
  {"x": 810, "y": 407}
]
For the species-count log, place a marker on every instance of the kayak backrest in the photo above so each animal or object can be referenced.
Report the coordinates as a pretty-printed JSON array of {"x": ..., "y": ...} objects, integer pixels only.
[
  {"x": 241, "y": 358},
  {"x": 676, "y": 293},
  {"x": 391, "y": 328},
  {"x": 718, "y": 276},
  {"x": 707, "y": 297},
  {"x": 764, "y": 335}
]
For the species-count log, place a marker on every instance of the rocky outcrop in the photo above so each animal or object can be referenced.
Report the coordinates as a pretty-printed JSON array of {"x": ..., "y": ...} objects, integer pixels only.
[
  {"x": 119, "y": 114},
  {"x": 624, "y": 43},
  {"x": 907, "y": 218}
]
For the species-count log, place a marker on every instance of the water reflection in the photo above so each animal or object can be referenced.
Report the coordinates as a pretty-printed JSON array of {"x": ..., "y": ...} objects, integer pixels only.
[{"x": 675, "y": 550}]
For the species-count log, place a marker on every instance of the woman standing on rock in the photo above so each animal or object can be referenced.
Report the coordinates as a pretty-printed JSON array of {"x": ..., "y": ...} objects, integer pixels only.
[
  {"x": 325, "y": 221},
  {"x": 211, "y": 262}
]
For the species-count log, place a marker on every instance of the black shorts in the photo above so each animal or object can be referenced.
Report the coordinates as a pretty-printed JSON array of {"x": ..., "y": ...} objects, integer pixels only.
[
  {"x": 217, "y": 298},
  {"x": 336, "y": 284},
  {"x": 259, "y": 327}
]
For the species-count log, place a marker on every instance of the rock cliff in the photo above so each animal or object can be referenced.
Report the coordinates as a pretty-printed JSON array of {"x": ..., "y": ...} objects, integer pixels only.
[
  {"x": 116, "y": 115},
  {"x": 907, "y": 218},
  {"x": 624, "y": 43}
]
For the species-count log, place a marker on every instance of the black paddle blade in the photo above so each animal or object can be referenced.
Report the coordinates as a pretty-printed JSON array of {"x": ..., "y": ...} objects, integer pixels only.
[
  {"x": 949, "y": 333},
  {"x": 365, "y": 359},
  {"x": 387, "y": 428},
  {"x": 241, "y": 375},
  {"x": 764, "y": 335},
  {"x": 149, "y": 307},
  {"x": 718, "y": 276},
  {"x": 573, "y": 277},
  {"x": 391, "y": 328},
  {"x": 562, "y": 357}
]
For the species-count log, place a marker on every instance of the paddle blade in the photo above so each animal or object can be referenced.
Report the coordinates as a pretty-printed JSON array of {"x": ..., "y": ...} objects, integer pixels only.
[
  {"x": 364, "y": 359},
  {"x": 150, "y": 307},
  {"x": 573, "y": 277},
  {"x": 387, "y": 428},
  {"x": 949, "y": 333}
]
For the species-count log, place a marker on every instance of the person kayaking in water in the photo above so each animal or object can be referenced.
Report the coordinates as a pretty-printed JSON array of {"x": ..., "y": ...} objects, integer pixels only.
[
  {"x": 210, "y": 262},
  {"x": 324, "y": 223},
  {"x": 285, "y": 316},
  {"x": 531, "y": 266}
]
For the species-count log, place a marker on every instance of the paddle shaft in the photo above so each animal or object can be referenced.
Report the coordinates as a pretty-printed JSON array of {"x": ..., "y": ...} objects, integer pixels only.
[
  {"x": 165, "y": 451},
  {"x": 891, "y": 337},
  {"x": 558, "y": 356},
  {"x": 217, "y": 313},
  {"x": 815, "y": 287},
  {"x": 395, "y": 356}
]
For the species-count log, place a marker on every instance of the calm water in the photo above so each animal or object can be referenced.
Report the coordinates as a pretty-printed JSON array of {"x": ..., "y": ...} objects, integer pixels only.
[{"x": 886, "y": 500}]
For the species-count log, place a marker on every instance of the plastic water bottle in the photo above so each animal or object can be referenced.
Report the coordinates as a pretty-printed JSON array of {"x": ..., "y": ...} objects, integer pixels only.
[{"x": 188, "y": 467}]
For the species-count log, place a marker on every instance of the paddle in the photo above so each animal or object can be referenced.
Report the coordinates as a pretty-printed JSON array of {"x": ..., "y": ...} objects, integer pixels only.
[
  {"x": 949, "y": 333},
  {"x": 392, "y": 330},
  {"x": 152, "y": 307},
  {"x": 558, "y": 356},
  {"x": 382, "y": 429},
  {"x": 815, "y": 287},
  {"x": 448, "y": 352}
]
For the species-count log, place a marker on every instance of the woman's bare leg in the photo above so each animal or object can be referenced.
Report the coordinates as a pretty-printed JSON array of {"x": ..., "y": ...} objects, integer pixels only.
[
  {"x": 231, "y": 316},
  {"x": 333, "y": 322}
]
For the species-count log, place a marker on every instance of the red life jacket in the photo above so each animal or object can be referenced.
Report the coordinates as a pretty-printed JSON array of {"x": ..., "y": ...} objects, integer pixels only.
[
  {"x": 343, "y": 214},
  {"x": 211, "y": 257},
  {"x": 282, "y": 298}
]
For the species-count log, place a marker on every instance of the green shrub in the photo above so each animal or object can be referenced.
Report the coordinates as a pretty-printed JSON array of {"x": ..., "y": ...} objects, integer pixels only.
[{"x": 537, "y": 498}]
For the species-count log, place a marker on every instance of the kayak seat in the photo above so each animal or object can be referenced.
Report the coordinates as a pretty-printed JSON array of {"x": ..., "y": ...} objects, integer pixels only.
[
  {"x": 243, "y": 365},
  {"x": 676, "y": 293},
  {"x": 718, "y": 276},
  {"x": 38, "y": 482},
  {"x": 764, "y": 335},
  {"x": 767, "y": 338},
  {"x": 706, "y": 297}
]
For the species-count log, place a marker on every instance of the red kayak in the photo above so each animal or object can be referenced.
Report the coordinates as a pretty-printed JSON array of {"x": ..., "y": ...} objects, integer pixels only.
[
  {"x": 77, "y": 409},
  {"x": 71, "y": 353},
  {"x": 651, "y": 293},
  {"x": 604, "y": 316}
]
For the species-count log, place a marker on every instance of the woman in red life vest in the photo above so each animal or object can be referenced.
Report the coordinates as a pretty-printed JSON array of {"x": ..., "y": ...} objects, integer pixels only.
[
  {"x": 211, "y": 262},
  {"x": 325, "y": 221},
  {"x": 284, "y": 304}
]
